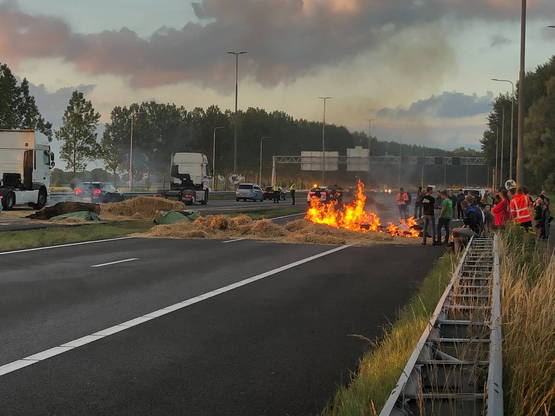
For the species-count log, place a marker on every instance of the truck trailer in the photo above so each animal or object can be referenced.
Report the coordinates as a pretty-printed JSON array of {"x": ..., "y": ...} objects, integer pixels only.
[
  {"x": 189, "y": 179},
  {"x": 26, "y": 162}
]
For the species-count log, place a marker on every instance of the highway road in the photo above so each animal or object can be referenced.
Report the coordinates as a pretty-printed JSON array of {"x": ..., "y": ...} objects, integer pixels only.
[{"x": 180, "y": 327}]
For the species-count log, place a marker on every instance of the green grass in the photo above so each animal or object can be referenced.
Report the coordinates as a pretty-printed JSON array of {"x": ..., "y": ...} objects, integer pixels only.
[
  {"x": 269, "y": 213},
  {"x": 380, "y": 368},
  {"x": 13, "y": 240}
]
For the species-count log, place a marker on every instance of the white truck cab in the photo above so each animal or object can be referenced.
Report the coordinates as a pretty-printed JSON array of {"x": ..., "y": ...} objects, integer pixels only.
[{"x": 26, "y": 163}]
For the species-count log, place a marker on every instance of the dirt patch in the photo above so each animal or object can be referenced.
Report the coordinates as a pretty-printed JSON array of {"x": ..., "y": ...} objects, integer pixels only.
[
  {"x": 142, "y": 207},
  {"x": 299, "y": 231}
]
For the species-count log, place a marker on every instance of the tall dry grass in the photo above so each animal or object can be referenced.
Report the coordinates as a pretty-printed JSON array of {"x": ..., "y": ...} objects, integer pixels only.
[{"x": 528, "y": 308}]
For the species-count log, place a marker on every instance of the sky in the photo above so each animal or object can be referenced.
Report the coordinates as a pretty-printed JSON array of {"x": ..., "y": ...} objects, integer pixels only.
[{"x": 420, "y": 69}]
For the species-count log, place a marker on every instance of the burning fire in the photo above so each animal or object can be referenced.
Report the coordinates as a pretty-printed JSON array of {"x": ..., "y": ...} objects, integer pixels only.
[{"x": 354, "y": 217}]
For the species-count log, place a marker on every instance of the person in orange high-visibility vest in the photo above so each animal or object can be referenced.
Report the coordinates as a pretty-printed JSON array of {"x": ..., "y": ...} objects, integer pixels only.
[
  {"x": 520, "y": 209},
  {"x": 402, "y": 202}
]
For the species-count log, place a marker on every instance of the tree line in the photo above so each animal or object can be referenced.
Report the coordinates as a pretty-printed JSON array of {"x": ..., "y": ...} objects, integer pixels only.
[
  {"x": 539, "y": 129},
  {"x": 159, "y": 129}
]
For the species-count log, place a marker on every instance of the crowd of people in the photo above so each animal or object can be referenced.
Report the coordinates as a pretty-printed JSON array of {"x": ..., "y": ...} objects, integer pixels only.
[{"x": 480, "y": 212}]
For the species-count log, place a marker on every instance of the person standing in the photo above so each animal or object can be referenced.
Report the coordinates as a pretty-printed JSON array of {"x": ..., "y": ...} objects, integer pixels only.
[
  {"x": 292, "y": 189},
  {"x": 418, "y": 203},
  {"x": 402, "y": 201},
  {"x": 428, "y": 206},
  {"x": 277, "y": 192},
  {"x": 445, "y": 216},
  {"x": 520, "y": 209},
  {"x": 500, "y": 210},
  {"x": 460, "y": 198}
]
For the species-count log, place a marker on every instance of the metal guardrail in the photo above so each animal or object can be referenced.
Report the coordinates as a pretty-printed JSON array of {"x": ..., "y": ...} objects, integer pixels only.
[{"x": 456, "y": 366}]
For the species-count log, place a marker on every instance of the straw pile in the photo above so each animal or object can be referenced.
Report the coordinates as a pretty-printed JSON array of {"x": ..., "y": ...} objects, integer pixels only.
[
  {"x": 300, "y": 231},
  {"x": 141, "y": 207}
]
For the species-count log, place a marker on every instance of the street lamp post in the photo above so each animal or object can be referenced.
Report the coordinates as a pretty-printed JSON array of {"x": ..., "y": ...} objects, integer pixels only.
[
  {"x": 511, "y": 151},
  {"x": 236, "y": 54},
  {"x": 324, "y": 99},
  {"x": 501, "y": 176},
  {"x": 522, "y": 75},
  {"x": 260, "y": 168},
  {"x": 214, "y": 158},
  {"x": 131, "y": 154},
  {"x": 497, "y": 158},
  {"x": 370, "y": 120}
]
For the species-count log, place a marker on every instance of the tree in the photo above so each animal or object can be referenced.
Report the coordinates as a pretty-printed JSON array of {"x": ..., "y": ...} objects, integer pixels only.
[
  {"x": 114, "y": 140},
  {"x": 78, "y": 133},
  {"x": 18, "y": 109}
]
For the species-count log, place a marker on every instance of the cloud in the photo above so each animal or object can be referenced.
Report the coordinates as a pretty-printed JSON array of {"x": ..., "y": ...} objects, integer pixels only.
[
  {"x": 53, "y": 104},
  {"x": 446, "y": 105},
  {"x": 286, "y": 39},
  {"x": 499, "y": 40}
]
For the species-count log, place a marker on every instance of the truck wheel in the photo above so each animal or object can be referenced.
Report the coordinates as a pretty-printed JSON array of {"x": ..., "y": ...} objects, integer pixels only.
[
  {"x": 237, "y": 199},
  {"x": 8, "y": 201},
  {"x": 41, "y": 201}
]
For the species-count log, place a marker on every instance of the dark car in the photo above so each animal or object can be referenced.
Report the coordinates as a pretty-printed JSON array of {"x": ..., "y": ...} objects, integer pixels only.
[
  {"x": 99, "y": 192},
  {"x": 269, "y": 193}
]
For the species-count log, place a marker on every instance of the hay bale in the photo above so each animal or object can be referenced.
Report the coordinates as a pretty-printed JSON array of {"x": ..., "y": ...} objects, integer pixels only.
[
  {"x": 316, "y": 239},
  {"x": 297, "y": 225},
  {"x": 142, "y": 207},
  {"x": 62, "y": 208},
  {"x": 215, "y": 223}
]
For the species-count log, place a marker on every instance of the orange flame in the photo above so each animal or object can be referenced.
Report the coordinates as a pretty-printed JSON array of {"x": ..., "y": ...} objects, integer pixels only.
[{"x": 354, "y": 217}]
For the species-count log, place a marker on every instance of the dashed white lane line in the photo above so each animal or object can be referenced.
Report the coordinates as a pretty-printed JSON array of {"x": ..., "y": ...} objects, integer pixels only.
[
  {"x": 63, "y": 245},
  {"x": 68, "y": 346},
  {"x": 233, "y": 241},
  {"x": 115, "y": 262}
]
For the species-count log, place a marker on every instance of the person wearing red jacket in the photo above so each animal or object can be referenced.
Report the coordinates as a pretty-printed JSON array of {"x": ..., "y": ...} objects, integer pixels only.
[
  {"x": 501, "y": 212},
  {"x": 520, "y": 209}
]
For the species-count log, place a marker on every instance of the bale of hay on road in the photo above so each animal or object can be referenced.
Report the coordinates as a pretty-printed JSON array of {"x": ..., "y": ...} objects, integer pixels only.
[
  {"x": 62, "y": 208},
  {"x": 266, "y": 229},
  {"x": 142, "y": 207}
]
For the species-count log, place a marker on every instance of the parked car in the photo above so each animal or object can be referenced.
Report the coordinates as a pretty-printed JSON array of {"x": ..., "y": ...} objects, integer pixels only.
[
  {"x": 98, "y": 192},
  {"x": 269, "y": 193},
  {"x": 249, "y": 191}
]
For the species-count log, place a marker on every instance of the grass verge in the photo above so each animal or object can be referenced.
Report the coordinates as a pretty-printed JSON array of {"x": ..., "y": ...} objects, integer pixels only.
[
  {"x": 380, "y": 368},
  {"x": 269, "y": 213},
  {"x": 13, "y": 240},
  {"x": 528, "y": 308}
]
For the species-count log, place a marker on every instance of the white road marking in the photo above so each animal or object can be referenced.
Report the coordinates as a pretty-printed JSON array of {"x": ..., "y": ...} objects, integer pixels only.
[
  {"x": 233, "y": 241},
  {"x": 63, "y": 245},
  {"x": 70, "y": 345},
  {"x": 287, "y": 216},
  {"x": 115, "y": 262}
]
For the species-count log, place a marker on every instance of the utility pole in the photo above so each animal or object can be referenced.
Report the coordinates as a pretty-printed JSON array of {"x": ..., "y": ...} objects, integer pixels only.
[
  {"x": 214, "y": 159},
  {"x": 236, "y": 54},
  {"x": 369, "y": 148},
  {"x": 522, "y": 75},
  {"x": 260, "y": 168},
  {"x": 497, "y": 158},
  {"x": 501, "y": 176},
  {"x": 131, "y": 154},
  {"x": 324, "y": 99},
  {"x": 511, "y": 151}
]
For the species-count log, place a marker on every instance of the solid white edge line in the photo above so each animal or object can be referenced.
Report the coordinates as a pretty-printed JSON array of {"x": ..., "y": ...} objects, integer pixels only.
[
  {"x": 233, "y": 241},
  {"x": 26, "y": 250},
  {"x": 115, "y": 262},
  {"x": 70, "y": 345},
  {"x": 287, "y": 216}
]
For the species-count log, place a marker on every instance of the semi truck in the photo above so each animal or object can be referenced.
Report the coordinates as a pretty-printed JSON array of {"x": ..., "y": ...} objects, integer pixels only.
[
  {"x": 189, "y": 179},
  {"x": 26, "y": 162}
]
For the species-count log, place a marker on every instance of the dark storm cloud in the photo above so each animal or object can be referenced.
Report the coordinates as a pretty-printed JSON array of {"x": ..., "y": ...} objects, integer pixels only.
[
  {"x": 446, "y": 105},
  {"x": 53, "y": 104},
  {"x": 499, "y": 40},
  {"x": 285, "y": 38}
]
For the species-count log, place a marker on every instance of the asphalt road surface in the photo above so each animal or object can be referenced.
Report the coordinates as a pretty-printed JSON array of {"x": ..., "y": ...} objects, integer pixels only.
[{"x": 252, "y": 328}]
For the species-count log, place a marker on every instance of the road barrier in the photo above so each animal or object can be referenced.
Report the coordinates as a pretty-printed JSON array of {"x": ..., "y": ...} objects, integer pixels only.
[{"x": 456, "y": 367}]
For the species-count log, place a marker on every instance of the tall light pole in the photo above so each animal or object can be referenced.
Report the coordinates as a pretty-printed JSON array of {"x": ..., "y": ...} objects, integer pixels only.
[
  {"x": 497, "y": 157},
  {"x": 522, "y": 75},
  {"x": 511, "y": 151},
  {"x": 236, "y": 53},
  {"x": 214, "y": 159},
  {"x": 260, "y": 168},
  {"x": 324, "y": 99},
  {"x": 370, "y": 120},
  {"x": 131, "y": 154},
  {"x": 502, "y": 145}
]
